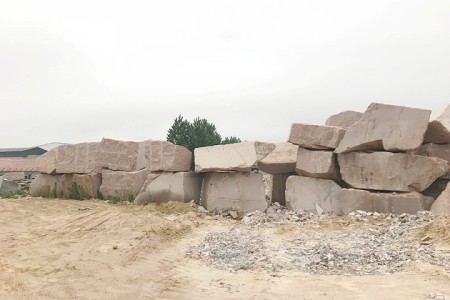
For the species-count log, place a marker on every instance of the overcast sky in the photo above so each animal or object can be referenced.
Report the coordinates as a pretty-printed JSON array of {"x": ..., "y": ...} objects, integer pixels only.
[{"x": 77, "y": 71}]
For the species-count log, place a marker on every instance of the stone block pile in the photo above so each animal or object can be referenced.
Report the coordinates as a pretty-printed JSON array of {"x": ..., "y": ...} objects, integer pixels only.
[
  {"x": 389, "y": 159},
  {"x": 118, "y": 170}
]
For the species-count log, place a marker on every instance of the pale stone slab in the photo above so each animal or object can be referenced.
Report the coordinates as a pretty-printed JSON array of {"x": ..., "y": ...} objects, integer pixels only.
[
  {"x": 168, "y": 157},
  {"x": 232, "y": 157},
  {"x": 386, "y": 127},
  {"x": 442, "y": 204},
  {"x": 164, "y": 187},
  {"x": 121, "y": 184},
  {"x": 7, "y": 185},
  {"x": 88, "y": 185},
  {"x": 312, "y": 194},
  {"x": 438, "y": 130},
  {"x": 410, "y": 203},
  {"x": 387, "y": 171},
  {"x": 121, "y": 155},
  {"x": 243, "y": 191},
  {"x": 281, "y": 160},
  {"x": 316, "y": 136},
  {"x": 316, "y": 164},
  {"x": 344, "y": 119},
  {"x": 46, "y": 163}
]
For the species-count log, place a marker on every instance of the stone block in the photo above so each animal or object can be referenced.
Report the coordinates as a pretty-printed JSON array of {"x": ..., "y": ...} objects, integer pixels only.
[
  {"x": 243, "y": 191},
  {"x": 232, "y": 157},
  {"x": 121, "y": 184},
  {"x": 8, "y": 185},
  {"x": 397, "y": 203},
  {"x": 167, "y": 157},
  {"x": 312, "y": 194},
  {"x": 344, "y": 119},
  {"x": 281, "y": 160},
  {"x": 387, "y": 171},
  {"x": 386, "y": 127},
  {"x": 316, "y": 136},
  {"x": 164, "y": 187},
  {"x": 87, "y": 185},
  {"x": 442, "y": 204},
  {"x": 46, "y": 185},
  {"x": 438, "y": 130},
  {"x": 117, "y": 155},
  {"x": 436, "y": 150},
  {"x": 316, "y": 164},
  {"x": 436, "y": 188}
]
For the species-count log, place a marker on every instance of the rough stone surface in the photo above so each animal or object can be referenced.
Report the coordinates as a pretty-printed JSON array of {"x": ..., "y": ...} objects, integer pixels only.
[
  {"x": 121, "y": 184},
  {"x": 316, "y": 136},
  {"x": 312, "y": 194},
  {"x": 353, "y": 200},
  {"x": 231, "y": 157},
  {"x": 46, "y": 163},
  {"x": 43, "y": 184},
  {"x": 167, "y": 157},
  {"x": 88, "y": 183},
  {"x": 281, "y": 160},
  {"x": 316, "y": 164},
  {"x": 344, "y": 119},
  {"x": 438, "y": 130},
  {"x": 243, "y": 191},
  {"x": 436, "y": 150},
  {"x": 390, "y": 171},
  {"x": 7, "y": 185},
  {"x": 121, "y": 155},
  {"x": 78, "y": 158},
  {"x": 164, "y": 187},
  {"x": 386, "y": 127},
  {"x": 263, "y": 149},
  {"x": 442, "y": 203}
]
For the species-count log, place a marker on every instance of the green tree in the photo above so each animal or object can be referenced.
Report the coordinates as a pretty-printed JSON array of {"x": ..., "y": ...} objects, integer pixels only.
[
  {"x": 180, "y": 133},
  {"x": 231, "y": 140}
]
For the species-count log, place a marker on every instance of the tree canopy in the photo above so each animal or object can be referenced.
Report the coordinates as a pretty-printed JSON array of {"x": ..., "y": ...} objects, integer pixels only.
[{"x": 199, "y": 133}]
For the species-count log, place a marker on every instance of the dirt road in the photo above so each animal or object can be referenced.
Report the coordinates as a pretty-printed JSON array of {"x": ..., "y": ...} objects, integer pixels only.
[{"x": 62, "y": 249}]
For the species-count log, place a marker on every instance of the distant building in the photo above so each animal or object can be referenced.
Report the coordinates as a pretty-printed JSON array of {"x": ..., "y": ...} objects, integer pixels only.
[{"x": 21, "y": 152}]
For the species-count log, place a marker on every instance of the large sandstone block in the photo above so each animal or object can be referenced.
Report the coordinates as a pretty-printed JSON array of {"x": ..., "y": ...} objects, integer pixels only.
[
  {"x": 436, "y": 150},
  {"x": 312, "y": 194},
  {"x": 436, "y": 188},
  {"x": 316, "y": 136},
  {"x": 390, "y": 171},
  {"x": 121, "y": 155},
  {"x": 442, "y": 204},
  {"x": 81, "y": 186},
  {"x": 62, "y": 186},
  {"x": 386, "y": 127},
  {"x": 78, "y": 158},
  {"x": 243, "y": 191},
  {"x": 164, "y": 187},
  {"x": 121, "y": 184},
  {"x": 344, "y": 119},
  {"x": 263, "y": 149},
  {"x": 281, "y": 160},
  {"x": 232, "y": 157},
  {"x": 168, "y": 157},
  {"x": 46, "y": 185},
  {"x": 438, "y": 130},
  {"x": 316, "y": 164},
  {"x": 351, "y": 200}
]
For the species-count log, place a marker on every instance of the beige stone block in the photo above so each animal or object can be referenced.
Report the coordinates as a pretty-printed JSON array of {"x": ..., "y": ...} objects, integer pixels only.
[
  {"x": 316, "y": 136},
  {"x": 164, "y": 187},
  {"x": 344, "y": 119},
  {"x": 316, "y": 164},
  {"x": 442, "y": 204},
  {"x": 312, "y": 194},
  {"x": 386, "y": 127},
  {"x": 167, "y": 157},
  {"x": 121, "y": 184},
  {"x": 387, "y": 171},
  {"x": 243, "y": 191},
  {"x": 281, "y": 160},
  {"x": 438, "y": 130}
]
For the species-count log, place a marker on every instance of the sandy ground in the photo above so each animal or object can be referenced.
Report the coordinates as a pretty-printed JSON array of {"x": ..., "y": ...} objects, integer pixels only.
[{"x": 62, "y": 249}]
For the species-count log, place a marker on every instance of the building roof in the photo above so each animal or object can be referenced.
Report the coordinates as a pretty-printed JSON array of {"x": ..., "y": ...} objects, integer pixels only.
[
  {"x": 18, "y": 149},
  {"x": 17, "y": 164}
]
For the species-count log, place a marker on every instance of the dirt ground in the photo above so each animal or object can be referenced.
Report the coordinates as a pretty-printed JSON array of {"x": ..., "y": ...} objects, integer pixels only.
[{"x": 63, "y": 249}]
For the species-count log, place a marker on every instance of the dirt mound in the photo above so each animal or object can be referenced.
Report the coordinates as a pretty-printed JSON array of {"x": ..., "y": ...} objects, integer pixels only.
[{"x": 438, "y": 230}]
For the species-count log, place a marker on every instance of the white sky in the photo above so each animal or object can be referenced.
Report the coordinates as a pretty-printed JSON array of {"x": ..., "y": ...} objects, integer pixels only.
[{"x": 77, "y": 71}]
